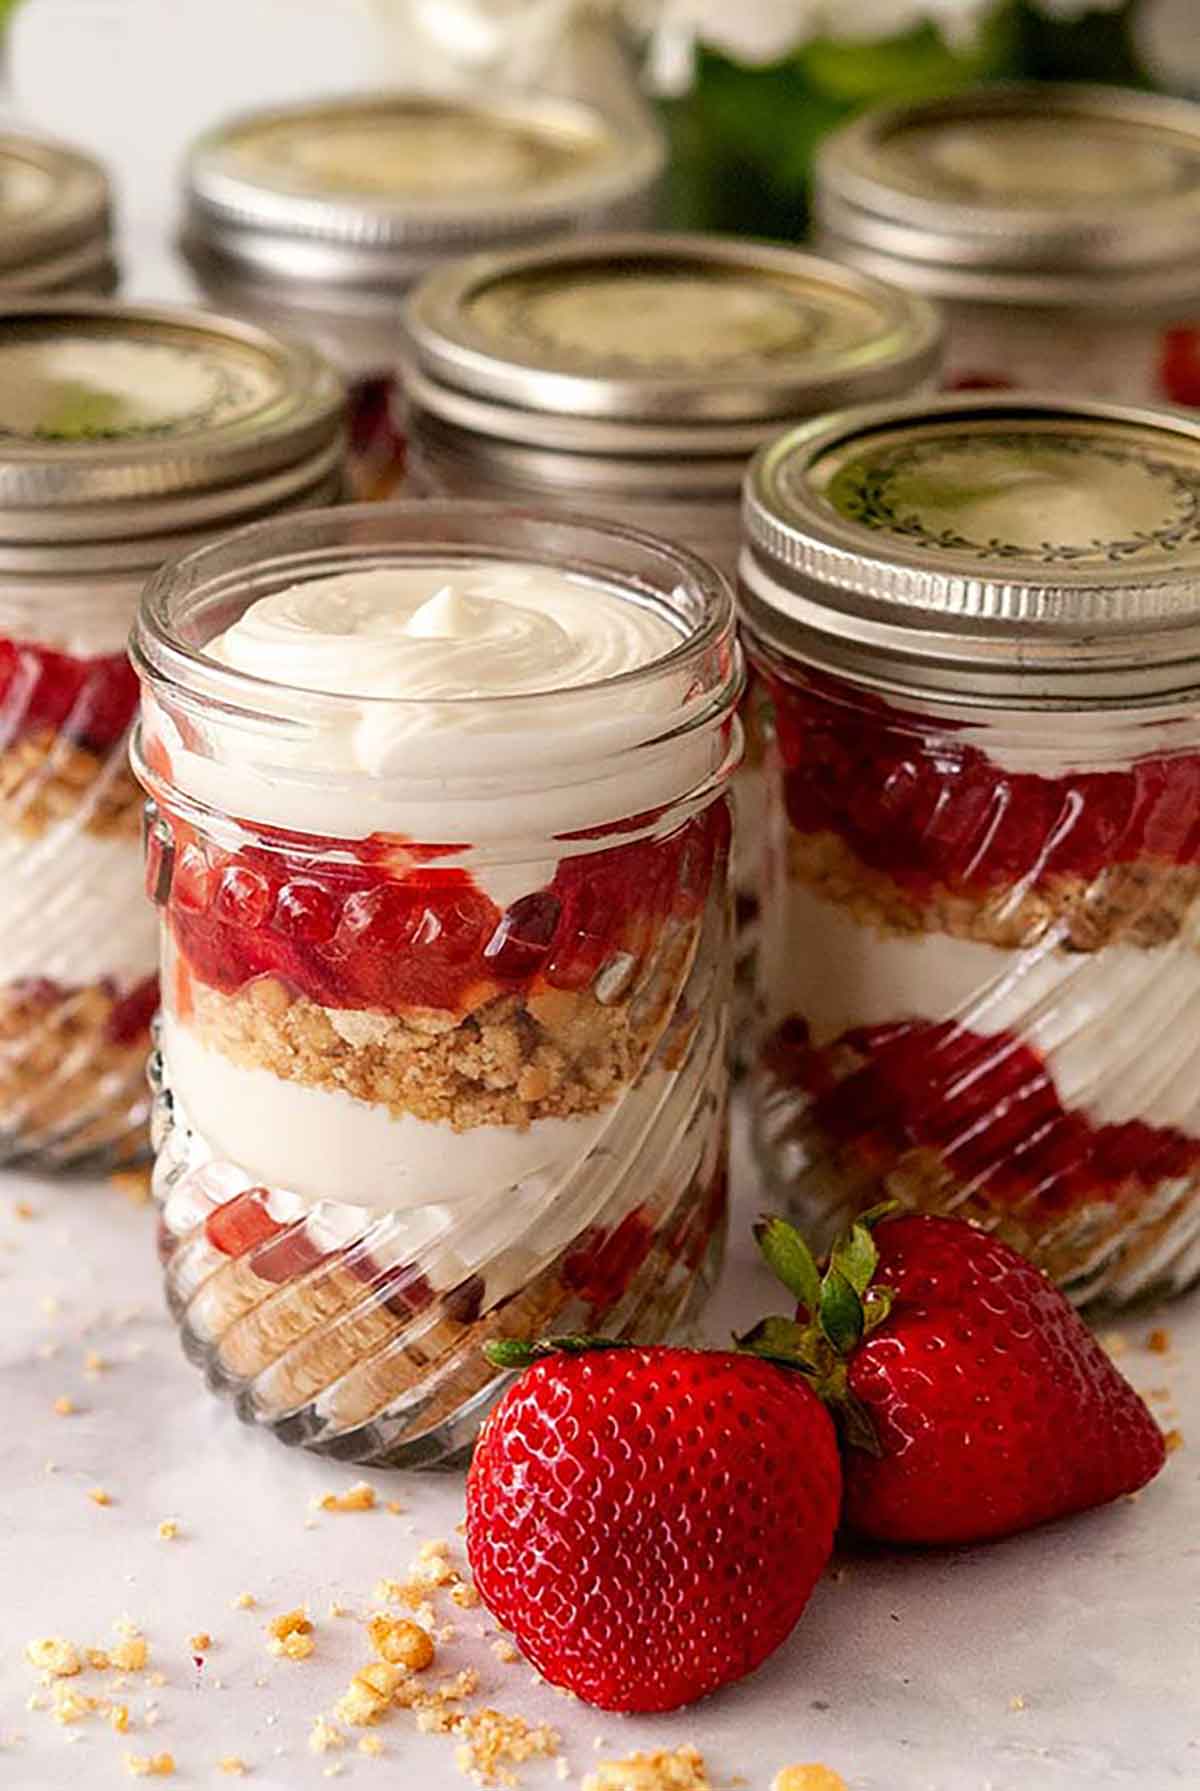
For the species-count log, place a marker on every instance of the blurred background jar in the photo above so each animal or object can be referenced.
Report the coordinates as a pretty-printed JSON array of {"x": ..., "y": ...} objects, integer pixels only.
[
  {"x": 632, "y": 377},
  {"x": 55, "y": 219},
  {"x": 125, "y": 434},
  {"x": 1058, "y": 226},
  {"x": 979, "y": 982}
]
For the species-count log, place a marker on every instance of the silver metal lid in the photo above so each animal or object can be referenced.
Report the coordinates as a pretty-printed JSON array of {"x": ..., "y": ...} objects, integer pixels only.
[
  {"x": 657, "y": 344},
  {"x": 55, "y": 215},
  {"x": 371, "y": 191},
  {"x": 123, "y": 423},
  {"x": 1056, "y": 194},
  {"x": 992, "y": 547}
]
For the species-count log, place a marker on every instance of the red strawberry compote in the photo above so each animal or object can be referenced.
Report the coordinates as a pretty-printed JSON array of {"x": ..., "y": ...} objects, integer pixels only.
[
  {"x": 121, "y": 431},
  {"x": 977, "y": 627},
  {"x": 439, "y": 844}
]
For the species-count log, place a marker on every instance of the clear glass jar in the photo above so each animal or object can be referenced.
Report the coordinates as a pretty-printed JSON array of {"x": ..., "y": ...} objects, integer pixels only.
[
  {"x": 443, "y": 1043},
  {"x": 1059, "y": 227},
  {"x": 55, "y": 219},
  {"x": 320, "y": 215},
  {"x": 980, "y": 963},
  {"x": 124, "y": 433},
  {"x": 633, "y": 377}
]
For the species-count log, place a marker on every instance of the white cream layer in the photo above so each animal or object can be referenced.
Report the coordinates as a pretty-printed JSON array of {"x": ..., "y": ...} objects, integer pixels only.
[
  {"x": 323, "y": 1143},
  {"x": 1116, "y": 1028},
  {"x": 73, "y": 908}
]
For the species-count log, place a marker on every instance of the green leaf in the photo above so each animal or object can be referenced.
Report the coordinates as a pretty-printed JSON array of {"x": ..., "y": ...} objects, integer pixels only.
[
  {"x": 841, "y": 1312},
  {"x": 856, "y": 1257},
  {"x": 777, "y": 1340},
  {"x": 883, "y": 1209},
  {"x": 876, "y": 1307},
  {"x": 856, "y": 1427},
  {"x": 790, "y": 1260},
  {"x": 519, "y": 1352}
]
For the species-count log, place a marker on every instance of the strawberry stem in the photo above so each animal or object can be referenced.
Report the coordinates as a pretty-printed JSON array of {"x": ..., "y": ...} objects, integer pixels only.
[{"x": 520, "y": 1352}]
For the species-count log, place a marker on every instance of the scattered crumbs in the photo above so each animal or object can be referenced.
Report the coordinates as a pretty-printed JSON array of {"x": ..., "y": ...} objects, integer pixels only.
[
  {"x": 94, "y": 1362},
  {"x": 1016, "y": 1703},
  {"x": 325, "y": 1736},
  {"x": 401, "y": 1643},
  {"x": 1114, "y": 1343},
  {"x": 369, "y": 1694},
  {"x": 133, "y": 1184},
  {"x": 131, "y": 1652},
  {"x": 50, "y": 1467},
  {"x": 290, "y": 1636},
  {"x": 98, "y": 1659},
  {"x": 682, "y": 1770},
  {"x": 338, "y": 1609},
  {"x": 808, "y": 1778},
  {"x": 490, "y": 1741},
  {"x": 64, "y": 1406},
  {"x": 53, "y": 1655},
  {"x": 1160, "y": 1395},
  {"x": 149, "y": 1766},
  {"x": 562, "y": 1771},
  {"x": 334, "y": 1771},
  {"x": 359, "y": 1497},
  {"x": 98, "y": 1496},
  {"x": 505, "y": 1651},
  {"x": 233, "y": 1765},
  {"x": 464, "y": 1595},
  {"x": 395, "y": 1507},
  {"x": 370, "y": 1744},
  {"x": 23, "y": 1210},
  {"x": 1159, "y": 1341},
  {"x": 1173, "y": 1440},
  {"x": 201, "y": 1642},
  {"x": 167, "y": 1530},
  {"x": 245, "y": 1601},
  {"x": 118, "y": 1718},
  {"x": 156, "y": 1679}
]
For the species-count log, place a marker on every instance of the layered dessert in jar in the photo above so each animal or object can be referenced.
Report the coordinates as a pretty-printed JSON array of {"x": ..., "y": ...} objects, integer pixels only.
[
  {"x": 439, "y": 844},
  {"x": 55, "y": 219},
  {"x": 124, "y": 432},
  {"x": 978, "y": 624},
  {"x": 322, "y": 214},
  {"x": 634, "y": 376},
  {"x": 1059, "y": 227}
]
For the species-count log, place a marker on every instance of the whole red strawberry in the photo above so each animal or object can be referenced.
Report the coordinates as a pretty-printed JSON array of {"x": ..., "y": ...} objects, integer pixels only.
[
  {"x": 648, "y": 1524},
  {"x": 975, "y": 1401}
]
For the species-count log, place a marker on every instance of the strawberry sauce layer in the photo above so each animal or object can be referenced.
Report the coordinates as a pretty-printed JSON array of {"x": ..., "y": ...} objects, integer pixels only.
[
  {"x": 986, "y": 1106},
  {"x": 932, "y": 812},
  {"x": 128, "y": 1021},
  {"x": 91, "y": 702},
  {"x": 380, "y": 924}
]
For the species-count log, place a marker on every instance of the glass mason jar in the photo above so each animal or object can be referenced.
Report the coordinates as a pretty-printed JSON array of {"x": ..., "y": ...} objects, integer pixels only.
[
  {"x": 1058, "y": 225},
  {"x": 980, "y": 969},
  {"x": 444, "y": 1015},
  {"x": 322, "y": 214},
  {"x": 125, "y": 434},
  {"x": 55, "y": 219},
  {"x": 633, "y": 377}
]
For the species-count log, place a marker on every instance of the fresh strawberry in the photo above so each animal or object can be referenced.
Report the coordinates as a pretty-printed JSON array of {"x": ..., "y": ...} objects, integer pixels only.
[
  {"x": 648, "y": 1524},
  {"x": 974, "y": 1400}
]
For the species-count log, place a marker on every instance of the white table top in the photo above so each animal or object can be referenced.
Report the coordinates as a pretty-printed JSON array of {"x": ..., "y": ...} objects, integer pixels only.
[{"x": 1066, "y": 1660}]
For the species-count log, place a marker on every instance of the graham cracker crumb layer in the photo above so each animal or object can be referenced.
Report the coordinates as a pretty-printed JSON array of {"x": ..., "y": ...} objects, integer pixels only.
[
  {"x": 46, "y": 779},
  {"x": 551, "y": 1053},
  {"x": 66, "y": 1084},
  {"x": 1145, "y": 903}
]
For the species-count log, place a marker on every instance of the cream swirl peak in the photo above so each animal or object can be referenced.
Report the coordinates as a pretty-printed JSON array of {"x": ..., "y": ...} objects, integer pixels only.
[{"x": 444, "y": 633}]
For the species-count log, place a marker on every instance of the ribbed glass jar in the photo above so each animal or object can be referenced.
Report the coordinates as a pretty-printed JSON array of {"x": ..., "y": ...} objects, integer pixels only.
[
  {"x": 1059, "y": 227},
  {"x": 980, "y": 959},
  {"x": 443, "y": 1043},
  {"x": 125, "y": 433}
]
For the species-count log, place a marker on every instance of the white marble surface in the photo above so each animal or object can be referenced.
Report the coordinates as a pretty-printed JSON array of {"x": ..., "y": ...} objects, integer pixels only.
[{"x": 903, "y": 1674}]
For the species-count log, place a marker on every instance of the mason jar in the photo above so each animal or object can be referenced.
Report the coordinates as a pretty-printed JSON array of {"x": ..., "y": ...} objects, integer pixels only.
[
  {"x": 979, "y": 988},
  {"x": 322, "y": 214},
  {"x": 126, "y": 434},
  {"x": 439, "y": 847},
  {"x": 55, "y": 219},
  {"x": 1059, "y": 226},
  {"x": 633, "y": 376}
]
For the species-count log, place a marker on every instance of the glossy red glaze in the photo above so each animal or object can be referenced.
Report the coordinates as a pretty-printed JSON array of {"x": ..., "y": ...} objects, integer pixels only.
[
  {"x": 930, "y": 811},
  {"x": 89, "y": 701},
  {"x": 986, "y": 1105},
  {"x": 382, "y": 925}
]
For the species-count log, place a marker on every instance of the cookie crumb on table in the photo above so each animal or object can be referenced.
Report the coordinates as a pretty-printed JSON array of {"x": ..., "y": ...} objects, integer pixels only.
[
  {"x": 98, "y": 1496},
  {"x": 324, "y": 1737},
  {"x": 233, "y": 1765},
  {"x": 167, "y": 1530},
  {"x": 1159, "y": 1341},
  {"x": 680, "y": 1770},
  {"x": 808, "y": 1778},
  {"x": 150, "y": 1766},
  {"x": 290, "y": 1635},
  {"x": 359, "y": 1497},
  {"x": 1173, "y": 1441},
  {"x": 64, "y": 1406}
]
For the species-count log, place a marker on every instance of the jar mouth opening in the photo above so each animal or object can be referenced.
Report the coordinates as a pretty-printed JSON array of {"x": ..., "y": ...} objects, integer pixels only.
[{"x": 217, "y": 582}]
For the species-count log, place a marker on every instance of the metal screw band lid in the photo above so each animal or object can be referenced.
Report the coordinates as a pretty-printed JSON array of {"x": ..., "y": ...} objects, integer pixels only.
[
  {"x": 1043, "y": 548},
  {"x": 1078, "y": 194},
  {"x": 55, "y": 214},
  {"x": 126, "y": 422},
  {"x": 658, "y": 344},
  {"x": 371, "y": 190}
]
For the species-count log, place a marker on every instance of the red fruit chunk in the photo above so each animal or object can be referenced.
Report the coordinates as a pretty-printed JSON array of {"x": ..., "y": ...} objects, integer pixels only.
[
  {"x": 994, "y": 1406},
  {"x": 518, "y": 947},
  {"x": 1179, "y": 364},
  {"x": 648, "y": 1524},
  {"x": 305, "y": 913},
  {"x": 241, "y": 1223},
  {"x": 603, "y": 1263},
  {"x": 130, "y": 1019},
  {"x": 90, "y": 701}
]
